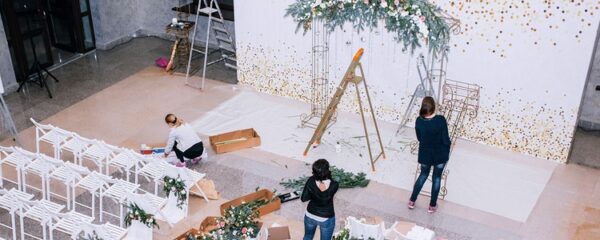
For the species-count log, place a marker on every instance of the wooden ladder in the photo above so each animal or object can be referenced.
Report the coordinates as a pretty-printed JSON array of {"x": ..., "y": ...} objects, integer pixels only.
[{"x": 349, "y": 77}]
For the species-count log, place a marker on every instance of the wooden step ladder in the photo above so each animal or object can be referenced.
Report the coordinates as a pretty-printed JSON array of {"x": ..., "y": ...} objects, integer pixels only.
[{"x": 349, "y": 77}]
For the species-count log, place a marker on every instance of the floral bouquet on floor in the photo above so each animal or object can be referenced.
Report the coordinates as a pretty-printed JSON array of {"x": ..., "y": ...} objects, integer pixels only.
[
  {"x": 238, "y": 223},
  {"x": 138, "y": 214},
  {"x": 177, "y": 186}
]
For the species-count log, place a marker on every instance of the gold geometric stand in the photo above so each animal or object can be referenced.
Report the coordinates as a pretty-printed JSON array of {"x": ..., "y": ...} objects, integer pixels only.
[{"x": 349, "y": 77}]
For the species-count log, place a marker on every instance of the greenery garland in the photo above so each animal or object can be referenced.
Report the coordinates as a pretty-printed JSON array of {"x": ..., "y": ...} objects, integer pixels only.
[
  {"x": 177, "y": 186},
  {"x": 345, "y": 180},
  {"x": 414, "y": 21},
  {"x": 138, "y": 214},
  {"x": 238, "y": 223}
]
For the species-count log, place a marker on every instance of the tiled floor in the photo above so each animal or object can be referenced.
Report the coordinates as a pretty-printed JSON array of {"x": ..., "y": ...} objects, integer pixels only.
[{"x": 91, "y": 74}]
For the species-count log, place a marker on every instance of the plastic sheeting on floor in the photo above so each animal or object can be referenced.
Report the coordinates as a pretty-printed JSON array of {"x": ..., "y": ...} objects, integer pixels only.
[{"x": 481, "y": 177}]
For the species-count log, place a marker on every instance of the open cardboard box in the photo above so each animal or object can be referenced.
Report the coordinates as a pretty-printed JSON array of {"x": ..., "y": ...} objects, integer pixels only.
[
  {"x": 185, "y": 235},
  {"x": 260, "y": 194},
  {"x": 278, "y": 233},
  {"x": 208, "y": 224},
  {"x": 236, "y": 140}
]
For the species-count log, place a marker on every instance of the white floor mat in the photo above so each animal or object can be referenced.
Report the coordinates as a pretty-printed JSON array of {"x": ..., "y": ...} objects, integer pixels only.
[{"x": 481, "y": 177}]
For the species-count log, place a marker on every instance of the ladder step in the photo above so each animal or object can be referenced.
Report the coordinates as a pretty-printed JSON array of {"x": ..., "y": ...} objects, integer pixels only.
[
  {"x": 219, "y": 20},
  {"x": 228, "y": 57},
  {"x": 223, "y": 39},
  {"x": 230, "y": 66},
  {"x": 198, "y": 51},
  {"x": 226, "y": 48},
  {"x": 208, "y": 10},
  {"x": 220, "y": 29}
]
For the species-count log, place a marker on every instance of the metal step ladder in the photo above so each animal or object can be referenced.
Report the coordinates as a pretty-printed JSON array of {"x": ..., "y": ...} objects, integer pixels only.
[{"x": 225, "y": 43}]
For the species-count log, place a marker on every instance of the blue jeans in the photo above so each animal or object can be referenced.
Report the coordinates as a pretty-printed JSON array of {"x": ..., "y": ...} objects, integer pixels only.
[
  {"x": 326, "y": 228},
  {"x": 436, "y": 179}
]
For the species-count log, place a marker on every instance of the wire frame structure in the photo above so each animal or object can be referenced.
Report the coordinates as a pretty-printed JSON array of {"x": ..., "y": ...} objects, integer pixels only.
[
  {"x": 460, "y": 101},
  {"x": 319, "y": 92}
]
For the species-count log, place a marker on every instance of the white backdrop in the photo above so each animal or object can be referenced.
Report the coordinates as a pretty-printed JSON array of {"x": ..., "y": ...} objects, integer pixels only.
[{"x": 531, "y": 60}]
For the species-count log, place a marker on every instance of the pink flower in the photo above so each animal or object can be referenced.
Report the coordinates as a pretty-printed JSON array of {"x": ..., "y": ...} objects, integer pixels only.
[
  {"x": 422, "y": 18},
  {"x": 244, "y": 230},
  {"x": 222, "y": 224},
  {"x": 366, "y": 1},
  {"x": 397, "y": 2}
]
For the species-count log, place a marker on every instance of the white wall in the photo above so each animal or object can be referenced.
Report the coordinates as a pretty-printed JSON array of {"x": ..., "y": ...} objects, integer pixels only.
[{"x": 532, "y": 66}]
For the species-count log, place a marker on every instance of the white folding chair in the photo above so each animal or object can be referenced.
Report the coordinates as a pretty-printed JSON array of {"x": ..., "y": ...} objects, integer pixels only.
[
  {"x": 191, "y": 179},
  {"x": 95, "y": 184},
  {"x": 105, "y": 231},
  {"x": 153, "y": 169},
  {"x": 76, "y": 145},
  {"x": 42, "y": 166},
  {"x": 151, "y": 204},
  {"x": 40, "y": 211},
  {"x": 361, "y": 230},
  {"x": 49, "y": 134},
  {"x": 17, "y": 158},
  {"x": 117, "y": 192},
  {"x": 68, "y": 174},
  {"x": 68, "y": 223},
  {"x": 124, "y": 160},
  {"x": 12, "y": 201},
  {"x": 98, "y": 152}
]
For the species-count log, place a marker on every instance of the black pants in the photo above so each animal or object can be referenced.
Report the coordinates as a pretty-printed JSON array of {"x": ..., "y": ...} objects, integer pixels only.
[
  {"x": 436, "y": 179},
  {"x": 194, "y": 151}
]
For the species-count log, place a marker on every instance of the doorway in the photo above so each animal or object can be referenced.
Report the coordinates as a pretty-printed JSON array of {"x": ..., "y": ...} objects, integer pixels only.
[{"x": 48, "y": 32}]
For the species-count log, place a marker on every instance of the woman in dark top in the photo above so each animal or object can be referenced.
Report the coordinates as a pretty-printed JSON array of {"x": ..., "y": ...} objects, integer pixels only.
[
  {"x": 434, "y": 150},
  {"x": 319, "y": 190}
]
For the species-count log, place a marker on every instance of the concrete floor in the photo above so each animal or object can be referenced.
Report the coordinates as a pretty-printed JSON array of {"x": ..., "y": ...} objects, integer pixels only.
[
  {"x": 93, "y": 73},
  {"x": 585, "y": 150}
]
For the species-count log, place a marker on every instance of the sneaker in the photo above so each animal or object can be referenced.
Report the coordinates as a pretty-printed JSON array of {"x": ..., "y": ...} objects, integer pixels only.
[
  {"x": 432, "y": 209},
  {"x": 411, "y": 205}
]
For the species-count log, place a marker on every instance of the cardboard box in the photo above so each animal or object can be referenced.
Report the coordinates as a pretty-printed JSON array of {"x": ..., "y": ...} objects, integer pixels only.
[
  {"x": 260, "y": 194},
  {"x": 208, "y": 224},
  {"x": 278, "y": 233},
  {"x": 185, "y": 235},
  {"x": 236, "y": 140}
]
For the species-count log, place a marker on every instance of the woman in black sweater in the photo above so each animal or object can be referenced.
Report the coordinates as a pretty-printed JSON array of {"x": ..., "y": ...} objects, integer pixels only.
[
  {"x": 319, "y": 190},
  {"x": 434, "y": 150}
]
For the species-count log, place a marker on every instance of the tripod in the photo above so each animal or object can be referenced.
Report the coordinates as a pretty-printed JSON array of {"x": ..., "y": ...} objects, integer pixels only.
[{"x": 37, "y": 68}]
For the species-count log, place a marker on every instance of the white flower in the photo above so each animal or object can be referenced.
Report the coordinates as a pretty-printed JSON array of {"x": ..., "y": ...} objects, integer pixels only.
[
  {"x": 384, "y": 3},
  {"x": 318, "y": 2},
  {"x": 182, "y": 192},
  {"x": 137, "y": 213},
  {"x": 403, "y": 13}
]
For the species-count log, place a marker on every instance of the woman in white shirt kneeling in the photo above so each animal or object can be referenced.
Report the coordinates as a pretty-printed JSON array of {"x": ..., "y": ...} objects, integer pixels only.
[{"x": 183, "y": 140}]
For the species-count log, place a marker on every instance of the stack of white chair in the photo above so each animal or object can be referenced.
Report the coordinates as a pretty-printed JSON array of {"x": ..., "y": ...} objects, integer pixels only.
[{"x": 361, "y": 230}]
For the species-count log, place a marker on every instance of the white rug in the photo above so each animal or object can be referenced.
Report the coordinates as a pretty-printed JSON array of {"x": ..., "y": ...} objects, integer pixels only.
[{"x": 481, "y": 177}]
